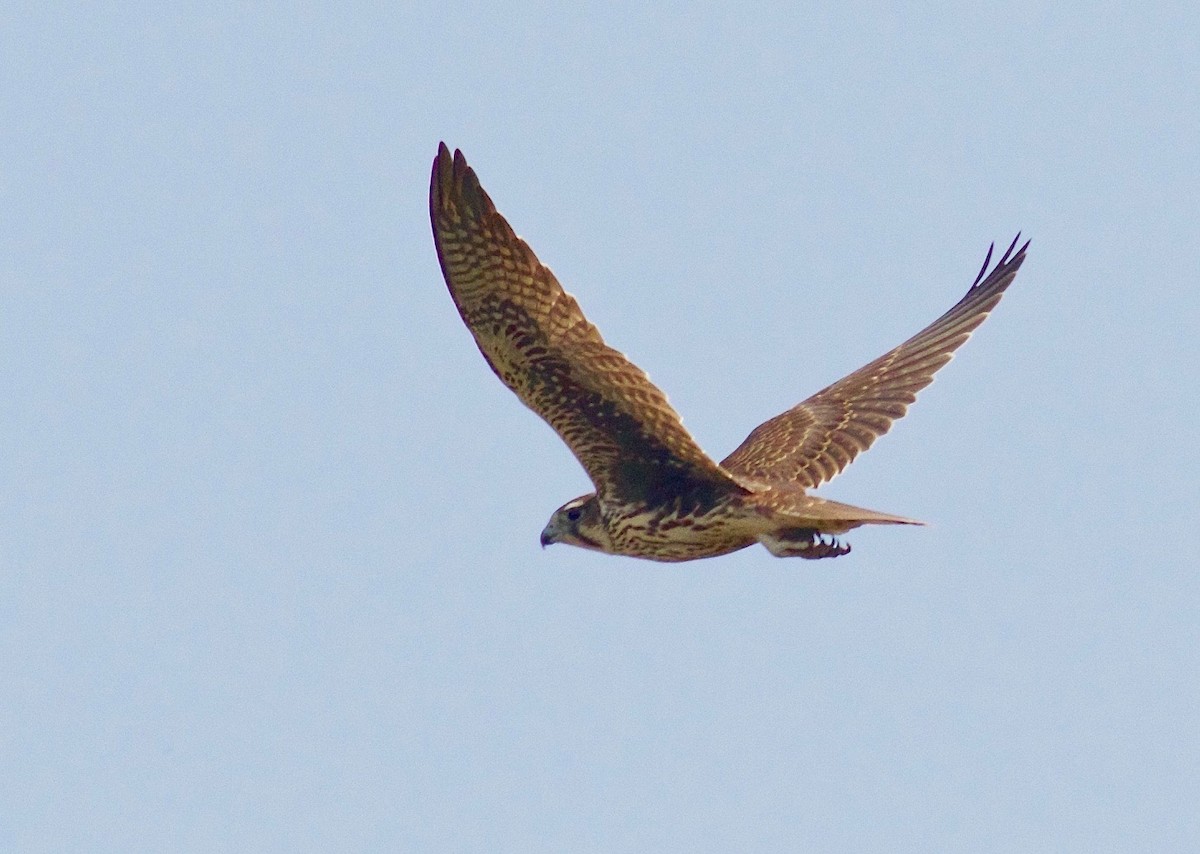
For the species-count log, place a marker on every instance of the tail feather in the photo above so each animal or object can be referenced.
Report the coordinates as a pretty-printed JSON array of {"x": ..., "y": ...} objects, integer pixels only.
[{"x": 836, "y": 517}]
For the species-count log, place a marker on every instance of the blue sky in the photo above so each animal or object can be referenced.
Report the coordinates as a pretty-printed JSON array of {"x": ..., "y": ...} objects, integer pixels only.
[{"x": 269, "y": 565}]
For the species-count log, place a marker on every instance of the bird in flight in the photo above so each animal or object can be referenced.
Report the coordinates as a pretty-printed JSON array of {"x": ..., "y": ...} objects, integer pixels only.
[{"x": 658, "y": 495}]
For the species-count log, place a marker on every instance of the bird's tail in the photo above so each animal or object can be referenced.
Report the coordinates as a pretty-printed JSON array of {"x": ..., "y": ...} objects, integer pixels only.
[{"x": 834, "y": 517}]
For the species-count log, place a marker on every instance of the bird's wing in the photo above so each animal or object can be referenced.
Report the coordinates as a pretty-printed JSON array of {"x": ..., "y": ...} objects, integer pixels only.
[
  {"x": 533, "y": 334},
  {"x": 814, "y": 441}
]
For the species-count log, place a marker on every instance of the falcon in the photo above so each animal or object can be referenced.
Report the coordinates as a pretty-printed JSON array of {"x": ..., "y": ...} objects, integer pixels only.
[{"x": 658, "y": 495}]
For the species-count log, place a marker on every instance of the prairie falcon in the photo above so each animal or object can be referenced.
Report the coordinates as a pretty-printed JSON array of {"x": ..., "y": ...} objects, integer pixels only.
[{"x": 658, "y": 496}]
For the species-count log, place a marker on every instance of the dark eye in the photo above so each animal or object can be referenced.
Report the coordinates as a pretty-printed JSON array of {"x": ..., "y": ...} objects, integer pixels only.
[{"x": 574, "y": 513}]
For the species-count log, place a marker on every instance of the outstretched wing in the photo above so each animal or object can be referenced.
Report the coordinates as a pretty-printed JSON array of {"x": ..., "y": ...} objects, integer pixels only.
[
  {"x": 814, "y": 441},
  {"x": 615, "y": 421}
]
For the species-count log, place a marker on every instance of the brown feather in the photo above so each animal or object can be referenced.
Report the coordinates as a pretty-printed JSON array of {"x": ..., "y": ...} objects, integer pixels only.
[
  {"x": 616, "y": 422},
  {"x": 658, "y": 495},
  {"x": 815, "y": 440}
]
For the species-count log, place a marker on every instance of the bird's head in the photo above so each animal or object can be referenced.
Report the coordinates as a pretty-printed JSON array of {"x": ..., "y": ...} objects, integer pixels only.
[{"x": 578, "y": 523}]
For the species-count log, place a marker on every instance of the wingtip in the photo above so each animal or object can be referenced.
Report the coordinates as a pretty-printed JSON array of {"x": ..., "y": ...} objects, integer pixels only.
[
  {"x": 449, "y": 164},
  {"x": 1009, "y": 262},
  {"x": 1008, "y": 253},
  {"x": 987, "y": 259},
  {"x": 441, "y": 166},
  {"x": 443, "y": 160},
  {"x": 455, "y": 163},
  {"x": 1014, "y": 259},
  {"x": 452, "y": 178}
]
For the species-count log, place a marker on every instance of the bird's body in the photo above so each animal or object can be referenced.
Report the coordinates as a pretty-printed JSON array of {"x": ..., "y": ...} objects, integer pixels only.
[
  {"x": 687, "y": 526},
  {"x": 658, "y": 495}
]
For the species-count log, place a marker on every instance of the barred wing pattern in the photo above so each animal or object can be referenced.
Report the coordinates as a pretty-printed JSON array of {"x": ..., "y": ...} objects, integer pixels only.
[
  {"x": 814, "y": 441},
  {"x": 616, "y": 422}
]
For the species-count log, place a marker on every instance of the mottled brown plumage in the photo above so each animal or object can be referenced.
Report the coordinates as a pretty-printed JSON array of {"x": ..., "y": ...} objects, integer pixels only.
[
  {"x": 815, "y": 440},
  {"x": 658, "y": 495}
]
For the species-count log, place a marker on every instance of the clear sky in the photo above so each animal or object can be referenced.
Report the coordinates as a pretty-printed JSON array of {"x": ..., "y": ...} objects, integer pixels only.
[{"x": 269, "y": 567}]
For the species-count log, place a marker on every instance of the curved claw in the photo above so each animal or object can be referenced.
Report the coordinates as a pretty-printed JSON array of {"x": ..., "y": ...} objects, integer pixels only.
[
  {"x": 803, "y": 542},
  {"x": 830, "y": 547}
]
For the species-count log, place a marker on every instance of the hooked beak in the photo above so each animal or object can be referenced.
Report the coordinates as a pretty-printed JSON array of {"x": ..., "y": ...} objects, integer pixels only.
[{"x": 548, "y": 536}]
